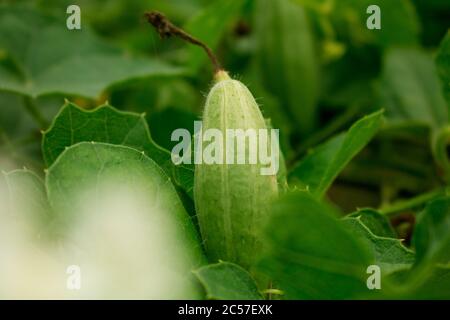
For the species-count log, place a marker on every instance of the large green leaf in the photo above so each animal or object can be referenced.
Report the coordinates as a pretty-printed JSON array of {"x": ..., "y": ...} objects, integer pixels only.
[
  {"x": 432, "y": 233},
  {"x": 318, "y": 169},
  {"x": 443, "y": 66},
  {"x": 52, "y": 59},
  {"x": 106, "y": 124},
  {"x": 390, "y": 254},
  {"x": 209, "y": 25},
  {"x": 311, "y": 254},
  {"x": 410, "y": 89},
  {"x": 227, "y": 281},
  {"x": 117, "y": 207},
  {"x": 287, "y": 59}
]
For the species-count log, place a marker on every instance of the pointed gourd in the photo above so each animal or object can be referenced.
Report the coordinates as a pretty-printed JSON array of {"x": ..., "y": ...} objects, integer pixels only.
[{"x": 232, "y": 200}]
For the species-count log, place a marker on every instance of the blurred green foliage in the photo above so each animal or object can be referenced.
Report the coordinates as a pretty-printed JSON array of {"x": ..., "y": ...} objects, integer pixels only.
[
  {"x": 315, "y": 69},
  {"x": 313, "y": 66}
]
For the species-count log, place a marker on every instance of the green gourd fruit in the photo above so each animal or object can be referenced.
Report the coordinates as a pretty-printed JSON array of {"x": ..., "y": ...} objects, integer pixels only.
[{"x": 232, "y": 200}]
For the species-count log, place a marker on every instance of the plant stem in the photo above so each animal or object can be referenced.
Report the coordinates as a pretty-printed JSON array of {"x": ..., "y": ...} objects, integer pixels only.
[
  {"x": 412, "y": 203},
  {"x": 166, "y": 29},
  {"x": 34, "y": 111}
]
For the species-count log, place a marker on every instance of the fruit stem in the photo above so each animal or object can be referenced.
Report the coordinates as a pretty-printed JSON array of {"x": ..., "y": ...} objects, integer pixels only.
[
  {"x": 221, "y": 75},
  {"x": 166, "y": 29}
]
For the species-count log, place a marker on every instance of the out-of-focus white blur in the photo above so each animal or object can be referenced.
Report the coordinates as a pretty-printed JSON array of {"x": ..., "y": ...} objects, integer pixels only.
[{"x": 126, "y": 245}]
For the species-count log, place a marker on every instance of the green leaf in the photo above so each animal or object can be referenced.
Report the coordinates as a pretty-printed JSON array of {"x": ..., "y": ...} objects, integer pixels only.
[
  {"x": 443, "y": 66},
  {"x": 410, "y": 88},
  {"x": 227, "y": 281},
  {"x": 287, "y": 59},
  {"x": 377, "y": 223},
  {"x": 53, "y": 59},
  {"x": 120, "y": 199},
  {"x": 318, "y": 169},
  {"x": 311, "y": 254},
  {"x": 390, "y": 254},
  {"x": 431, "y": 236},
  {"x": 209, "y": 25},
  {"x": 106, "y": 124}
]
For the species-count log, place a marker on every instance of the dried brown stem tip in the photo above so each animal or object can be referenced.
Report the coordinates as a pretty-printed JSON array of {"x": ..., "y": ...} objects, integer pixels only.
[{"x": 166, "y": 29}]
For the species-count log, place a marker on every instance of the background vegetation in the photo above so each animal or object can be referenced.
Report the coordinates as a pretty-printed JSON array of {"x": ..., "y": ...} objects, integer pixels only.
[{"x": 316, "y": 71}]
